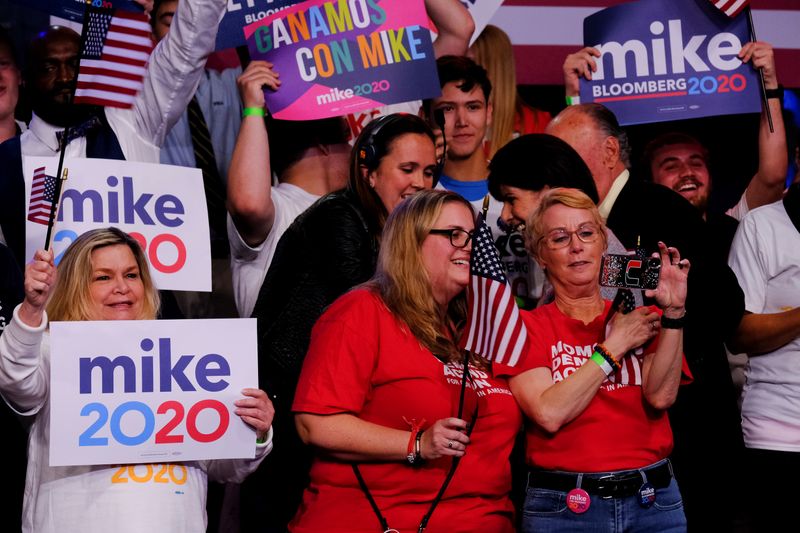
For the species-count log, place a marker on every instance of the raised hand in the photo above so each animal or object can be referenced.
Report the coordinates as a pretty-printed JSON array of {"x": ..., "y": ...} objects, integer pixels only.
[
  {"x": 581, "y": 63},
  {"x": 40, "y": 277},
  {"x": 670, "y": 294},
  {"x": 256, "y": 76},
  {"x": 762, "y": 56}
]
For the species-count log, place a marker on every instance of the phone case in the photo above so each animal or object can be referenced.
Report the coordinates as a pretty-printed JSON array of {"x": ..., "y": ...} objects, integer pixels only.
[{"x": 630, "y": 271}]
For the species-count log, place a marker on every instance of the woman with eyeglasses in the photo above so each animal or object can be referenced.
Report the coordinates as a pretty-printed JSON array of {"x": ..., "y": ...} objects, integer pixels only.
[
  {"x": 379, "y": 393},
  {"x": 103, "y": 275},
  {"x": 595, "y": 384},
  {"x": 327, "y": 250}
]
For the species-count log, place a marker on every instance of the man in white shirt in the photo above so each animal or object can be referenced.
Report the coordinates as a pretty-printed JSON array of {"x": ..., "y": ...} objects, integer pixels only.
[
  {"x": 310, "y": 158},
  {"x": 765, "y": 255},
  {"x": 136, "y": 134}
]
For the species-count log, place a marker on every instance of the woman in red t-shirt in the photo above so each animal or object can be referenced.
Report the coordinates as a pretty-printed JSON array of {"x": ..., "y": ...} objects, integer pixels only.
[
  {"x": 595, "y": 384},
  {"x": 380, "y": 391}
]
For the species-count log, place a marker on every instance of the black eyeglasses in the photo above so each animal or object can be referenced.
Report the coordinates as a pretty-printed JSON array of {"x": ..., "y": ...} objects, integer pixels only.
[{"x": 458, "y": 237}]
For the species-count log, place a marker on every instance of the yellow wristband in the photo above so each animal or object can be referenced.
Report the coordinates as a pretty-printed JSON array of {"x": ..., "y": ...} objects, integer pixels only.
[{"x": 253, "y": 112}]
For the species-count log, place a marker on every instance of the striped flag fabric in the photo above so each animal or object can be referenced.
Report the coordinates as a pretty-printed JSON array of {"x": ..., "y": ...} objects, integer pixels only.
[
  {"x": 495, "y": 330},
  {"x": 730, "y": 7},
  {"x": 115, "y": 50},
  {"x": 43, "y": 190}
]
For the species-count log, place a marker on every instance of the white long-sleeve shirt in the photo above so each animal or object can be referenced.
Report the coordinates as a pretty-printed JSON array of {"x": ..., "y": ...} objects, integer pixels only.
[
  {"x": 173, "y": 74},
  {"x": 100, "y": 498}
]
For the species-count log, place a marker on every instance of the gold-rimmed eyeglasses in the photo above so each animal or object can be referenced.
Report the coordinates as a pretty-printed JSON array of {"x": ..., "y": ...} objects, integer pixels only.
[{"x": 561, "y": 238}]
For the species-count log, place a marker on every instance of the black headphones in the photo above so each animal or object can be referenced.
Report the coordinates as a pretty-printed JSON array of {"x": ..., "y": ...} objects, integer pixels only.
[{"x": 366, "y": 150}]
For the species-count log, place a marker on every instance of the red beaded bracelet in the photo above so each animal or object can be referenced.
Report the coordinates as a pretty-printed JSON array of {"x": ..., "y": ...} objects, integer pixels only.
[{"x": 413, "y": 455}]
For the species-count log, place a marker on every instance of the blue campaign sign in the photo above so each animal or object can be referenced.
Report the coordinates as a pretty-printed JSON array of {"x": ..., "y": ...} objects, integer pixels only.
[
  {"x": 241, "y": 13},
  {"x": 73, "y": 9},
  {"x": 668, "y": 60}
]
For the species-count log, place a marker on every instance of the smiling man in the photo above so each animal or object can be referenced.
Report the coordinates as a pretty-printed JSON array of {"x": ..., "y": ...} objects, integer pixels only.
[
  {"x": 680, "y": 162},
  {"x": 134, "y": 134}
]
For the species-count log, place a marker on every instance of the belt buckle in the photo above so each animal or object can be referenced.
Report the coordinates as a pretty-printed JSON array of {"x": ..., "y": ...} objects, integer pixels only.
[{"x": 601, "y": 486}]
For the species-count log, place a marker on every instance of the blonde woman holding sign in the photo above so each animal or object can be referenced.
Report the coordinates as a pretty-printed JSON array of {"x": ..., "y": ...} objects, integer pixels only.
[{"x": 102, "y": 276}]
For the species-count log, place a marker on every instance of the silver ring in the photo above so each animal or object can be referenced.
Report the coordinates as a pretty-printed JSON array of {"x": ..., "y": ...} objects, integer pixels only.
[
  {"x": 654, "y": 324},
  {"x": 449, "y": 444}
]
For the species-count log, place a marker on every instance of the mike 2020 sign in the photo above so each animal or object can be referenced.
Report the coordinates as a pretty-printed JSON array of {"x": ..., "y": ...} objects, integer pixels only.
[
  {"x": 134, "y": 391},
  {"x": 669, "y": 60},
  {"x": 161, "y": 206}
]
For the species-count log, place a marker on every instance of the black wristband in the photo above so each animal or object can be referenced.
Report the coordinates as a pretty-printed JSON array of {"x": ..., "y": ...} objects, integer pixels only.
[
  {"x": 673, "y": 323},
  {"x": 418, "y": 460},
  {"x": 775, "y": 93}
]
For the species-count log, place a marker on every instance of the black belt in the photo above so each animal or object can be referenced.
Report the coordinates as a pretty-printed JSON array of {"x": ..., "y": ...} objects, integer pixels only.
[{"x": 604, "y": 485}]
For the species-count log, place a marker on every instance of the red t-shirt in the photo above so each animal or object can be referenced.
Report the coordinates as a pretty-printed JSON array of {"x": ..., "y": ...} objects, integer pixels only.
[
  {"x": 618, "y": 430},
  {"x": 363, "y": 361}
]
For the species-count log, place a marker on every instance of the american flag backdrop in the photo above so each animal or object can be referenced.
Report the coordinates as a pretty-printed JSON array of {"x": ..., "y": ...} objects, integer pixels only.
[
  {"x": 116, "y": 47},
  {"x": 495, "y": 330},
  {"x": 730, "y": 7},
  {"x": 43, "y": 190}
]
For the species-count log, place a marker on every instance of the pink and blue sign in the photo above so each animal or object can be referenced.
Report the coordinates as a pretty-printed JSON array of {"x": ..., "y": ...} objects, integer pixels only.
[
  {"x": 337, "y": 57},
  {"x": 669, "y": 60},
  {"x": 240, "y": 13}
]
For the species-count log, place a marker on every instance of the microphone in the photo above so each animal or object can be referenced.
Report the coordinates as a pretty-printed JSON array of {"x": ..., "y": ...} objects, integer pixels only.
[{"x": 438, "y": 118}]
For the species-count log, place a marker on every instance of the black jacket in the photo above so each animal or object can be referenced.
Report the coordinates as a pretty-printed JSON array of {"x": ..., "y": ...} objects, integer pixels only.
[
  {"x": 705, "y": 417},
  {"x": 326, "y": 251}
]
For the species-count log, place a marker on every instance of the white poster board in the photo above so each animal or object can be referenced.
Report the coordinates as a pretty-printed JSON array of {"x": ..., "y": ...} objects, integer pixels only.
[
  {"x": 142, "y": 391},
  {"x": 482, "y": 12},
  {"x": 161, "y": 206}
]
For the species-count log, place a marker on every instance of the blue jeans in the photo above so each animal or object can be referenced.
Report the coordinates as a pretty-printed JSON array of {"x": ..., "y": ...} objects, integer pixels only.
[{"x": 546, "y": 511}]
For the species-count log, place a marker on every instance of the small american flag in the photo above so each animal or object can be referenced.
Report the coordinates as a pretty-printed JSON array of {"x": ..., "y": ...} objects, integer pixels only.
[
  {"x": 495, "y": 330},
  {"x": 116, "y": 47},
  {"x": 43, "y": 190},
  {"x": 730, "y": 7}
]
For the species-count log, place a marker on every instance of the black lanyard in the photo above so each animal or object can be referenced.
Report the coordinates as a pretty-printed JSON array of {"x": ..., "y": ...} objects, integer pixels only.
[
  {"x": 456, "y": 460},
  {"x": 424, "y": 522}
]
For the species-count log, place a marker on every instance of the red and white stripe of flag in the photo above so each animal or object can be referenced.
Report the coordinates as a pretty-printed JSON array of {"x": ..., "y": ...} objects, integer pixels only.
[
  {"x": 39, "y": 207},
  {"x": 730, "y": 7},
  {"x": 495, "y": 328},
  {"x": 116, "y": 78}
]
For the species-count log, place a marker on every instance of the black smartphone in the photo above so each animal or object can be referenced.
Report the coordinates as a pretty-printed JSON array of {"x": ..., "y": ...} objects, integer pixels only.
[{"x": 630, "y": 271}]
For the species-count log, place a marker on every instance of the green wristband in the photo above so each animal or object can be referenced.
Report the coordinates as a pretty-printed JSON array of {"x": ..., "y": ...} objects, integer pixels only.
[
  {"x": 602, "y": 363},
  {"x": 253, "y": 112},
  {"x": 573, "y": 100}
]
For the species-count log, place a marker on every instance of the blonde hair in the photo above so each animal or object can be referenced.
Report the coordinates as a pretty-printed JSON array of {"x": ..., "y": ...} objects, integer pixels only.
[
  {"x": 71, "y": 299},
  {"x": 403, "y": 283},
  {"x": 577, "y": 199},
  {"x": 493, "y": 51}
]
